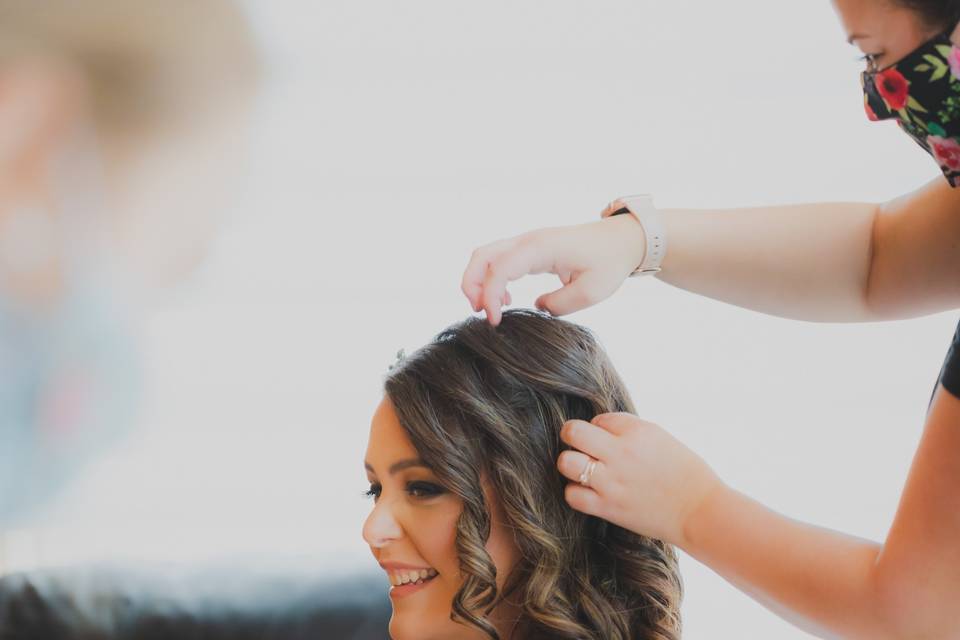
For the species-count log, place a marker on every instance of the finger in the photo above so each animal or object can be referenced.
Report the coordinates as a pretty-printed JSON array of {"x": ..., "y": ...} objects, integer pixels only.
[
  {"x": 616, "y": 423},
  {"x": 610, "y": 208},
  {"x": 509, "y": 265},
  {"x": 589, "y": 438},
  {"x": 584, "y": 290},
  {"x": 491, "y": 300},
  {"x": 573, "y": 463},
  {"x": 472, "y": 282},
  {"x": 584, "y": 499}
]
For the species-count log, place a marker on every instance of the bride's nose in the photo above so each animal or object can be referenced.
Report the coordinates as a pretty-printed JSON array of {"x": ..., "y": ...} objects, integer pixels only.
[{"x": 381, "y": 526}]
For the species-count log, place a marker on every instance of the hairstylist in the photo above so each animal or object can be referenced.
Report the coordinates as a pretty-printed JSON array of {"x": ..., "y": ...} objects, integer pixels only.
[{"x": 819, "y": 262}]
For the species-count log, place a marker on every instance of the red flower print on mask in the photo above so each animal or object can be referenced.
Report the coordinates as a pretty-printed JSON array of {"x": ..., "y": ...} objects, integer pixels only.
[
  {"x": 946, "y": 151},
  {"x": 893, "y": 87}
]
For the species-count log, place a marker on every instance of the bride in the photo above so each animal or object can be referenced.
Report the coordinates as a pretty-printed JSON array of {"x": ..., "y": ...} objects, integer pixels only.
[{"x": 469, "y": 520}]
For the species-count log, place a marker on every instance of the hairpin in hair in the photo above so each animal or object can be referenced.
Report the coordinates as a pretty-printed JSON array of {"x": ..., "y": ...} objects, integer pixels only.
[{"x": 400, "y": 356}]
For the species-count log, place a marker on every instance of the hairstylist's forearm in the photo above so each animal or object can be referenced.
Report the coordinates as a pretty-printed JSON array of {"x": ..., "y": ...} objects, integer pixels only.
[
  {"x": 833, "y": 262},
  {"x": 809, "y": 261},
  {"x": 819, "y": 580},
  {"x": 828, "y": 582}
]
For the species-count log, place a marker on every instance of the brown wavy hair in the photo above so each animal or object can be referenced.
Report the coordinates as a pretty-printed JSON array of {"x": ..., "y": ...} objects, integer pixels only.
[{"x": 487, "y": 403}]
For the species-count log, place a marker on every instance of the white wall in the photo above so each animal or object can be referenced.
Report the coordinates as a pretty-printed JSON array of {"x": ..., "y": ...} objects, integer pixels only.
[{"x": 395, "y": 137}]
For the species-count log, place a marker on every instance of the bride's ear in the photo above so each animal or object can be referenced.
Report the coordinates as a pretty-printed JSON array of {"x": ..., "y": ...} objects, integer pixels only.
[{"x": 39, "y": 102}]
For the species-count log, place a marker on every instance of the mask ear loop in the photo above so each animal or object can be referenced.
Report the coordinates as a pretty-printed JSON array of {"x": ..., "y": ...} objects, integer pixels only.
[{"x": 866, "y": 78}]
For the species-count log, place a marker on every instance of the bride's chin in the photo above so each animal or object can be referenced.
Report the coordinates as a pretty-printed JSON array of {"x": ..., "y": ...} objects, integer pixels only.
[{"x": 403, "y": 628}]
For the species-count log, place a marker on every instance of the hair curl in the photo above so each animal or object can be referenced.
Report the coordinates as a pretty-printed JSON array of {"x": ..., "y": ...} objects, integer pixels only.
[{"x": 487, "y": 403}]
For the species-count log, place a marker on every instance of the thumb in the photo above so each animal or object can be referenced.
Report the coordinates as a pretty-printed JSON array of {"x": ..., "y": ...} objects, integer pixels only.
[{"x": 584, "y": 290}]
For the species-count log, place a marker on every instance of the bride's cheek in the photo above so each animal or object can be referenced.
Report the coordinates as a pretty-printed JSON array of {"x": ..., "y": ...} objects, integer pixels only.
[{"x": 437, "y": 539}]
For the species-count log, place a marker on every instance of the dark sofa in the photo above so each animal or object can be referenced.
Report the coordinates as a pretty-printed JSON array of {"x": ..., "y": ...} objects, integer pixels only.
[{"x": 223, "y": 604}]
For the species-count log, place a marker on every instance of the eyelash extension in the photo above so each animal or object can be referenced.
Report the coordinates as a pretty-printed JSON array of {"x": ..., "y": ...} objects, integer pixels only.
[{"x": 373, "y": 491}]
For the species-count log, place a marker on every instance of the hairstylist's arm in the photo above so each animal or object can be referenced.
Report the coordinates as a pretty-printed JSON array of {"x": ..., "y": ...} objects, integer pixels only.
[
  {"x": 831, "y": 584},
  {"x": 818, "y": 262}
]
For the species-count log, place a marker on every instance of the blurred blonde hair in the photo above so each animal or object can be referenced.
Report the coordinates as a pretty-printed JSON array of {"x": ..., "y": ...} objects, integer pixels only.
[{"x": 143, "y": 61}]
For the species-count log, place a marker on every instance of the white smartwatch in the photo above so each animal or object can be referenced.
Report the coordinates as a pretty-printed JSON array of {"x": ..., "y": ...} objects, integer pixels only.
[{"x": 641, "y": 206}]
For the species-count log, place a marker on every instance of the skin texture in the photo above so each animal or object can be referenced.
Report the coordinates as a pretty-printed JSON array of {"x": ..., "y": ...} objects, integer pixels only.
[
  {"x": 416, "y": 527},
  {"x": 873, "y": 261}
]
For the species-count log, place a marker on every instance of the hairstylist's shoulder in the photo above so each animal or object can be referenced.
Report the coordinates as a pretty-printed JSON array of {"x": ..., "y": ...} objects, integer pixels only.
[
  {"x": 935, "y": 200},
  {"x": 915, "y": 262}
]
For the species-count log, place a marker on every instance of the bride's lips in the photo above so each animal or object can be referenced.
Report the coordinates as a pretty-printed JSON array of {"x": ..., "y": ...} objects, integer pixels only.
[
  {"x": 407, "y": 579},
  {"x": 410, "y": 587}
]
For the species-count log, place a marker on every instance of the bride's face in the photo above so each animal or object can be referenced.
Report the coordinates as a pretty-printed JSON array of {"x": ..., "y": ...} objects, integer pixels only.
[{"x": 411, "y": 531}]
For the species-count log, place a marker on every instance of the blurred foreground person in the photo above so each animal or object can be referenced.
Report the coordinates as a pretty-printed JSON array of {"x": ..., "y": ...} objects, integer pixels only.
[{"x": 121, "y": 124}]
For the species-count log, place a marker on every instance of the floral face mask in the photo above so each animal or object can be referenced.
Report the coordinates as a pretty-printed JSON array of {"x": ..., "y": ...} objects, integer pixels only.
[{"x": 922, "y": 92}]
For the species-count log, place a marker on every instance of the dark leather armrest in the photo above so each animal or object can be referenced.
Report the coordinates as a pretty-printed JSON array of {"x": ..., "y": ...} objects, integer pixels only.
[{"x": 112, "y": 604}]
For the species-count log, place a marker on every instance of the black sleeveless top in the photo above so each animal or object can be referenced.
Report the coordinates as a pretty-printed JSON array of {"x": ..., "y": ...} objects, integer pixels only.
[{"x": 950, "y": 373}]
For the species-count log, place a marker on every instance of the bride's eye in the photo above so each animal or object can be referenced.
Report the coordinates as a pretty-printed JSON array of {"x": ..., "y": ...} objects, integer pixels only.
[{"x": 420, "y": 489}]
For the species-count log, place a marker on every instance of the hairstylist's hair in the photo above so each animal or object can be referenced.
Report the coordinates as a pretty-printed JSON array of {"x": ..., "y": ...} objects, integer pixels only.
[
  {"x": 936, "y": 14},
  {"x": 488, "y": 402}
]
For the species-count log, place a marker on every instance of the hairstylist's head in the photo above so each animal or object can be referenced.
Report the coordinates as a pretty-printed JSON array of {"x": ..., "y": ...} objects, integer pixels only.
[
  {"x": 469, "y": 518},
  {"x": 887, "y": 30},
  {"x": 912, "y": 68}
]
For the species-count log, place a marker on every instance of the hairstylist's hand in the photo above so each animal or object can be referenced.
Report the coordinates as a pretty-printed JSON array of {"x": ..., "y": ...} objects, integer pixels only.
[
  {"x": 591, "y": 259},
  {"x": 645, "y": 480}
]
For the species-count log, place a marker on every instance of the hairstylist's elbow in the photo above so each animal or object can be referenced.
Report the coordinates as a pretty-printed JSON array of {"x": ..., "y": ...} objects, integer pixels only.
[{"x": 914, "y": 607}]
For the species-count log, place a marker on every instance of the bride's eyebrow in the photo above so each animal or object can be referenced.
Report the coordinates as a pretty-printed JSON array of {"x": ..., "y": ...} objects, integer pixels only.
[{"x": 400, "y": 466}]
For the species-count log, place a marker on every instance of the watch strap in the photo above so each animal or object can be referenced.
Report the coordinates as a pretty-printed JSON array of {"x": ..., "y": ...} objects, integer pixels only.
[{"x": 641, "y": 206}]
